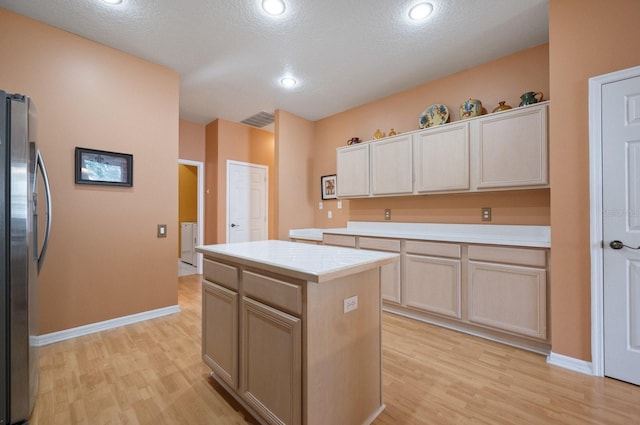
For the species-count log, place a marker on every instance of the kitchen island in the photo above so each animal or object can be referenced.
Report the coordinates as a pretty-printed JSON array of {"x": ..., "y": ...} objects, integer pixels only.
[{"x": 293, "y": 331}]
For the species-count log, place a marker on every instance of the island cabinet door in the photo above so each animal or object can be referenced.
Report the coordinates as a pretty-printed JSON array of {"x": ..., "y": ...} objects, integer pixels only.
[
  {"x": 220, "y": 331},
  {"x": 271, "y": 363}
]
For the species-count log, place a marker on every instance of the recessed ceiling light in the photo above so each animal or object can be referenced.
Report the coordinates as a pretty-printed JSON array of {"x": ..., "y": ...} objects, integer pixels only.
[
  {"x": 420, "y": 11},
  {"x": 273, "y": 7},
  {"x": 288, "y": 82},
  {"x": 112, "y": 1}
]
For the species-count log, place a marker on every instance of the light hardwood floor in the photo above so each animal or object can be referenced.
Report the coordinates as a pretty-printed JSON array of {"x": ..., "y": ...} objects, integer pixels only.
[{"x": 152, "y": 373}]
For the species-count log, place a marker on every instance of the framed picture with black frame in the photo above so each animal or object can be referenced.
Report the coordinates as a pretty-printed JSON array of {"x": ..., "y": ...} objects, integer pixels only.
[
  {"x": 329, "y": 187},
  {"x": 103, "y": 168}
]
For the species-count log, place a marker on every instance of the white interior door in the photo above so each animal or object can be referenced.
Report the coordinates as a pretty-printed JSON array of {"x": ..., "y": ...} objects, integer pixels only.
[
  {"x": 621, "y": 223},
  {"x": 247, "y": 199}
]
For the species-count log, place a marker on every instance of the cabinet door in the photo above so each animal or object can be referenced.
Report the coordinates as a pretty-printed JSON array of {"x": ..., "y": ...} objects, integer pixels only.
[
  {"x": 220, "y": 331},
  {"x": 391, "y": 166},
  {"x": 433, "y": 284},
  {"x": 511, "y": 149},
  {"x": 353, "y": 171},
  {"x": 390, "y": 274},
  {"x": 441, "y": 159},
  {"x": 508, "y": 297},
  {"x": 271, "y": 373}
]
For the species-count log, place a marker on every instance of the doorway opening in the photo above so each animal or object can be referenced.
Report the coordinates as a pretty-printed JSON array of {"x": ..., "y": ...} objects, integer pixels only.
[{"x": 191, "y": 174}]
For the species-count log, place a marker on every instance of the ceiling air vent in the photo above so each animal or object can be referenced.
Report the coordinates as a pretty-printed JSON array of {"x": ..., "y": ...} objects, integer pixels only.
[{"x": 259, "y": 120}]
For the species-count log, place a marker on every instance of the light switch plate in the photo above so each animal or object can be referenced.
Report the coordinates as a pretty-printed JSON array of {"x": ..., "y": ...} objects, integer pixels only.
[{"x": 162, "y": 230}]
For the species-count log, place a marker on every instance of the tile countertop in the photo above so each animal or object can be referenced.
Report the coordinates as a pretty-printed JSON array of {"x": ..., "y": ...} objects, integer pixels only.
[
  {"x": 492, "y": 234},
  {"x": 314, "y": 263}
]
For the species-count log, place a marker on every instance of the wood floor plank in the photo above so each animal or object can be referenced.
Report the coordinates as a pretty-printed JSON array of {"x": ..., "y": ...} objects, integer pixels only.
[{"x": 151, "y": 373}]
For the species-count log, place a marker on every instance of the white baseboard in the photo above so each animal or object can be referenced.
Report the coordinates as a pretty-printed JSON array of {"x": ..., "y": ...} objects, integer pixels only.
[
  {"x": 52, "y": 337},
  {"x": 570, "y": 363}
]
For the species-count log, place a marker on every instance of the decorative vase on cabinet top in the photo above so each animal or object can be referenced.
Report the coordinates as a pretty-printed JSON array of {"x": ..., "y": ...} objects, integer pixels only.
[
  {"x": 530, "y": 97},
  {"x": 470, "y": 108},
  {"x": 501, "y": 107}
]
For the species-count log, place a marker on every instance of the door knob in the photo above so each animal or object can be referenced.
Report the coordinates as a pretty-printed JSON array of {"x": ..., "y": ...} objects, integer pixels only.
[
  {"x": 620, "y": 245},
  {"x": 616, "y": 245},
  {"x": 235, "y": 225}
]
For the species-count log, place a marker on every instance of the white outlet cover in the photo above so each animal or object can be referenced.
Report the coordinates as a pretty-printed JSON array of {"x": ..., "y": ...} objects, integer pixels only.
[
  {"x": 339, "y": 204},
  {"x": 329, "y": 214},
  {"x": 350, "y": 304},
  {"x": 319, "y": 205}
]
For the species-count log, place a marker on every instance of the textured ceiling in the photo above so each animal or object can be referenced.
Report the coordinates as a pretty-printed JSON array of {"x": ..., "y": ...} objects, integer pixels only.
[{"x": 230, "y": 55}]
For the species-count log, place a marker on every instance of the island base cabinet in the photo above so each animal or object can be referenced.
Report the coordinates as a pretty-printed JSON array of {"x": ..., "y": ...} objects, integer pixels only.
[
  {"x": 220, "y": 331},
  {"x": 271, "y": 373},
  {"x": 508, "y": 297},
  {"x": 344, "y": 364}
]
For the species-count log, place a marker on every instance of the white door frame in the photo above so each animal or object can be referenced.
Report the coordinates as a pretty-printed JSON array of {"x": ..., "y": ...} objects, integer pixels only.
[
  {"x": 596, "y": 211},
  {"x": 200, "y": 166},
  {"x": 266, "y": 192}
]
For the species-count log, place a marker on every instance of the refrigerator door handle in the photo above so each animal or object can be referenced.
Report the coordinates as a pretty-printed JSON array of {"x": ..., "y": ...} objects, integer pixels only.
[{"x": 47, "y": 191}]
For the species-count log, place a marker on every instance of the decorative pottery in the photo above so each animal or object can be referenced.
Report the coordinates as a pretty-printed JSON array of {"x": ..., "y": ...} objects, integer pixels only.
[
  {"x": 353, "y": 141},
  {"x": 530, "y": 98},
  {"x": 501, "y": 107},
  {"x": 434, "y": 115},
  {"x": 378, "y": 134},
  {"x": 470, "y": 108},
  {"x": 392, "y": 132}
]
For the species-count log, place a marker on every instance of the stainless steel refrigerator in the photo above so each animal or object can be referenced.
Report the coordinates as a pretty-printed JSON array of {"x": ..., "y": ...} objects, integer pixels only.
[{"x": 22, "y": 250}]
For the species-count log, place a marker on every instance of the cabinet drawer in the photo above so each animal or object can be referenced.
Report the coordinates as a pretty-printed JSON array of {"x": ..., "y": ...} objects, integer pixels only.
[
  {"x": 339, "y": 240},
  {"x": 221, "y": 274},
  {"x": 433, "y": 248},
  {"x": 275, "y": 292},
  {"x": 392, "y": 245},
  {"x": 495, "y": 254}
]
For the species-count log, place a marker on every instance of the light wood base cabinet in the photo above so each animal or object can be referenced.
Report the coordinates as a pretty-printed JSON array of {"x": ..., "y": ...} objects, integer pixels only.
[
  {"x": 508, "y": 290},
  {"x": 286, "y": 348},
  {"x": 499, "y": 292},
  {"x": 220, "y": 331},
  {"x": 272, "y": 359}
]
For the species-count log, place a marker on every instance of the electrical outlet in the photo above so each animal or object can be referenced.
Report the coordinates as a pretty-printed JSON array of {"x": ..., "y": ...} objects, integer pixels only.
[
  {"x": 319, "y": 205},
  {"x": 350, "y": 303},
  {"x": 387, "y": 214},
  {"x": 162, "y": 230},
  {"x": 329, "y": 214},
  {"x": 339, "y": 204},
  {"x": 486, "y": 214}
]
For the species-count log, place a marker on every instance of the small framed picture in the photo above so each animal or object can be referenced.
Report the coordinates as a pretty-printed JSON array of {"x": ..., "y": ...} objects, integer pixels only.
[
  {"x": 329, "y": 187},
  {"x": 103, "y": 168}
]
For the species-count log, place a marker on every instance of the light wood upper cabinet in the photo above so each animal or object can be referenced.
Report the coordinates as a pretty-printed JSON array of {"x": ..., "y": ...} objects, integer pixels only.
[
  {"x": 441, "y": 159},
  {"x": 353, "y": 171},
  {"x": 510, "y": 149},
  {"x": 501, "y": 151},
  {"x": 391, "y": 166}
]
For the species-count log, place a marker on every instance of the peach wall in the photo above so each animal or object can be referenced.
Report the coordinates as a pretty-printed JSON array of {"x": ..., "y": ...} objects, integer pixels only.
[
  {"x": 503, "y": 79},
  {"x": 192, "y": 141},
  {"x": 587, "y": 39},
  {"x": 104, "y": 260},
  {"x": 294, "y": 179},
  {"x": 237, "y": 142}
]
